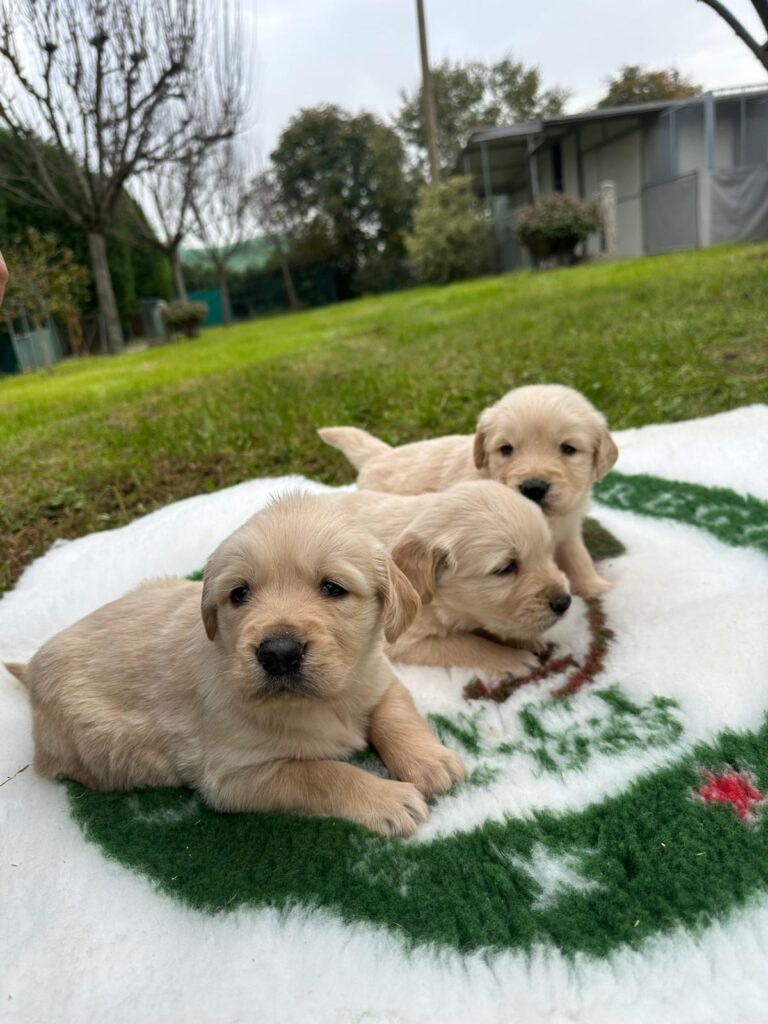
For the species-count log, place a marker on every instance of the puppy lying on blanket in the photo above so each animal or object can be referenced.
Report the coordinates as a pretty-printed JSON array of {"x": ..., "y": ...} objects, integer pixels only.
[
  {"x": 481, "y": 558},
  {"x": 252, "y": 703},
  {"x": 545, "y": 440}
]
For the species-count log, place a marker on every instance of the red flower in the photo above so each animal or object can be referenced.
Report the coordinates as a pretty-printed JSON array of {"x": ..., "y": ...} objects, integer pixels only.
[{"x": 731, "y": 787}]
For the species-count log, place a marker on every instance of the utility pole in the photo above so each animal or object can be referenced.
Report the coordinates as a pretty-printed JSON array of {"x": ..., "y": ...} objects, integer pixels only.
[{"x": 428, "y": 99}]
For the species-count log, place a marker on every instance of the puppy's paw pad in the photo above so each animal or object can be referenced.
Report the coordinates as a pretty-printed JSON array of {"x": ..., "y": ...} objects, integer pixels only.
[
  {"x": 521, "y": 663},
  {"x": 398, "y": 811},
  {"x": 454, "y": 766},
  {"x": 435, "y": 771},
  {"x": 592, "y": 588}
]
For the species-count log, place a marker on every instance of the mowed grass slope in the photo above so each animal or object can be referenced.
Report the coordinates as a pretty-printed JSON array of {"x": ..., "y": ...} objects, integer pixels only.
[{"x": 100, "y": 441}]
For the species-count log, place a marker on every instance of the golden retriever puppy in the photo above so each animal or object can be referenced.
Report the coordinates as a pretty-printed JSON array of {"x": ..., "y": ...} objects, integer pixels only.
[
  {"x": 545, "y": 440},
  {"x": 251, "y": 686},
  {"x": 482, "y": 560}
]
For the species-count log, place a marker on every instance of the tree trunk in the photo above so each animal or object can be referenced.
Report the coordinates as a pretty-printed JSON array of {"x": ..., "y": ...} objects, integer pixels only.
[
  {"x": 178, "y": 276},
  {"x": 97, "y": 246},
  {"x": 428, "y": 99},
  {"x": 75, "y": 331},
  {"x": 293, "y": 299},
  {"x": 226, "y": 307}
]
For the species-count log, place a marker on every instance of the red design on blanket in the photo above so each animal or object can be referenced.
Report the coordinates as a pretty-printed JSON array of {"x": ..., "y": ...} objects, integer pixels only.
[
  {"x": 585, "y": 672},
  {"x": 734, "y": 788}
]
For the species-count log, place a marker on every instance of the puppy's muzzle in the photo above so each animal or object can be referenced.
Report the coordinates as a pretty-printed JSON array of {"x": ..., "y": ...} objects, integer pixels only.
[
  {"x": 534, "y": 489},
  {"x": 560, "y": 604},
  {"x": 280, "y": 655}
]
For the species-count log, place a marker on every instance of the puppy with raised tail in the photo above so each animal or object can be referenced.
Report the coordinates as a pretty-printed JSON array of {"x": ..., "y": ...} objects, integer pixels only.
[
  {"x": 251, "y": 687},
  {"x": 482, "y": 560},
  {"x": 545, "y": 440}
]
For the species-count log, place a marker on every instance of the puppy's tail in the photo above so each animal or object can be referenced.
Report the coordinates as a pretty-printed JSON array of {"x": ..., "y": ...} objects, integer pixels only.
[
  {"x": 16, "y": 669},
  {"x": 358, "y": 445}
]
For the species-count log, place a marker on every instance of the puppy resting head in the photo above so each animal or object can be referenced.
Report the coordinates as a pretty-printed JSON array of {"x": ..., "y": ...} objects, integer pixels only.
[
  {"x": 548, "y": 442},
  {"x": 484, "y": 557},
  {"x": 298, "y": 598}
]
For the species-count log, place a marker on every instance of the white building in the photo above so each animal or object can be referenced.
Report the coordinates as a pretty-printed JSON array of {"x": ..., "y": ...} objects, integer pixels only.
[{"x": 687, "y": 173}]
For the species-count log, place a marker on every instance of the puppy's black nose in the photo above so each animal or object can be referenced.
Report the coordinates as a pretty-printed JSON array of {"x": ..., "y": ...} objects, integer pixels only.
[
  {"x": 280, "y": 655},
  {"x": 560, "y": 604},
  {"x": 534, "y": 489}
]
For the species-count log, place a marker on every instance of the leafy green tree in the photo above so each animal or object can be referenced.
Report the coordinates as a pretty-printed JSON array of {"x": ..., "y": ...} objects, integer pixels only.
[
  {"x": 342, "y": 180},
  {"x": 45, "y": 280},
  {"x": 475, "y": 95},
  {"x": 151, "y": 274},
  {"x": 635, "y": 84},
  {"x": 451, "y": 236},
  {"x": 135, "y": 269}
]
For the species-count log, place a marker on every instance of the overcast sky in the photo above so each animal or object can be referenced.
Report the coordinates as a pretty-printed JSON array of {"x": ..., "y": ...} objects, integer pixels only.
[{"x": 359, "y": 54}]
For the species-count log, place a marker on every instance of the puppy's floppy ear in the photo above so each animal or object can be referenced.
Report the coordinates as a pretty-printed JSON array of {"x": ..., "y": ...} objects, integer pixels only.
[
  {"x": 401, "y": 602},
  {"x": 481, "y": 457},
  {"x": 209, "y": 604},
  {"x": 480, "y": 450},
  {"x": 420, "y": 561},
  {"x": 606, "y": 452}
]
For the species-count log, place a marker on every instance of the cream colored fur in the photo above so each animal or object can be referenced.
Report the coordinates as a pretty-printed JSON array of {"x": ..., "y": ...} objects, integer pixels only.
[
  {"x": 451, "y": 546},
  {"x": 535, "y": 421},
  {"x": 146, "y": 692}
]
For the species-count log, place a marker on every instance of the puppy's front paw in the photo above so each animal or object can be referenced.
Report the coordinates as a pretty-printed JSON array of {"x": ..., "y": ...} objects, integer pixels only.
[
  {"x": 519, "y": 663},
  {"x": 395, "y": 809},
  {"x": 595, "y": 586},
  {"x": 432, "y": 769}
]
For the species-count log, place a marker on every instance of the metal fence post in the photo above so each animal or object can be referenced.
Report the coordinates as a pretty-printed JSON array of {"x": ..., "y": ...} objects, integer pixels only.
[
  {"x": 607, "y": 203},
  {"x": 709, "y": 130},
  {"x": 533, "y": 168},
  {"x": 486, "y": 175}
]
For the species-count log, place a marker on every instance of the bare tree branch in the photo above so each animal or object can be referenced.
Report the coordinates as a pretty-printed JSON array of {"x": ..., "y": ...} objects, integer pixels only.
[
  {"x": 224, "y": 214},
  {"x": 163, "y": 215},
  {"x": 275, "y": 221},
  {"x": 215, "y": 108},
  {"x": 94, "y": 93},
  {"x": 761, "y": 6},
  {"x": 761, "y": 52}
]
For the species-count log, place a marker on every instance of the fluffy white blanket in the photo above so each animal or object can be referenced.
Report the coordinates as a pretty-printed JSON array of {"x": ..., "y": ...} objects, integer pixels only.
[{"x": 95, "y": 929}]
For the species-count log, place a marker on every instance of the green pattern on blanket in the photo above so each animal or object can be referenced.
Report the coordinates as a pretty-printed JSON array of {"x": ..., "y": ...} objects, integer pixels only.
[
  {"x": 600, "y": 542},
  {"x": 556, "y": 741},
  {"x": 735, "y": 519},
  {"x": 615, "y": 873}
]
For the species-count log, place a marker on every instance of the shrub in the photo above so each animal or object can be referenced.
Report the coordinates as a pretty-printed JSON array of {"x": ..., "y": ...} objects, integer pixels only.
[
  {"x": 184, "y": 316},
  {"x": 555, "y": 225},
  {"x": 451, "y": 236}
]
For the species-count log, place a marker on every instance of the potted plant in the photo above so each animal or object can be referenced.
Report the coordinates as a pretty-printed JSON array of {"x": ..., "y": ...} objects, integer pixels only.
[
  {"x": 184, "y": 316},
  {"x": 553, "y": 226}
]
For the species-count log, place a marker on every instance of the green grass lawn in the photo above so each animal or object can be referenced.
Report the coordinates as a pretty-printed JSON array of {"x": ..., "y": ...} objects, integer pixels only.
[{"x": 99, "y": 441}]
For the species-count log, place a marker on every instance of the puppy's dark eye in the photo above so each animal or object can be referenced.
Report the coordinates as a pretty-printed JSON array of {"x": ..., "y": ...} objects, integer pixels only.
[
  {"x": 567, "y": 449},
  {"x": 506, "y": 450},
  {"x": 239, "y": 595},
  {"x": 330, "y": 589},
  {"x": 507, "y": 570}
]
